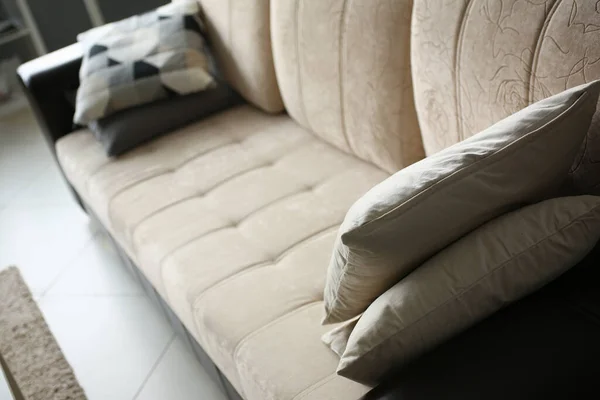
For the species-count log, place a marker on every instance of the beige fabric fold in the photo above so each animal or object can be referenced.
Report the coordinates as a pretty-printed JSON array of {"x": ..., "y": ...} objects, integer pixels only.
[
  {"x": 240, "y": 38},
  {"x": 496, "y": 264},
  {"x": 232, "y": 219},
  {"x": 343, "y": 68},
  {"x": 474, "y": 63},
  {"x": 477, "y": 62},
  {"x": 418, "y": 211},
  {"x": 337, "y": 338}
]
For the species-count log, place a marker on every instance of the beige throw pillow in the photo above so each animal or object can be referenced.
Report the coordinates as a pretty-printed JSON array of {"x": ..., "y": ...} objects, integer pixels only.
[
  {"x": 423, "y": 208},
  {"x": 494, "y": 265}
]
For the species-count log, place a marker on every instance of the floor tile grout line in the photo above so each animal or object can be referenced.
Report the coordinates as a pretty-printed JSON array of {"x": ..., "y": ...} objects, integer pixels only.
[
  {"x": 23, "y": 188},
  {"x": 25, "y": 195},
  {"x": 69, "y": 263},
  {"x": 160, "y": 357}
]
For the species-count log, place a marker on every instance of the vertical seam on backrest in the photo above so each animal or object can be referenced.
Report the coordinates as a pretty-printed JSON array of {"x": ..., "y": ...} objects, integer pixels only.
[
  {"x": 536, "y": 52},
  {"x": 457, "y": 53},
  {"x": 300, "y": 91},
  {"x": 342, "y": 45},
  {"x": 407, "y": 140},
  {"x": 229, "y": 27}
]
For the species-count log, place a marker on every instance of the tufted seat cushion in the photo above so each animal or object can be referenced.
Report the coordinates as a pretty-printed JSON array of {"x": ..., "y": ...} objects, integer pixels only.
[{"x": 233, "y": 221}]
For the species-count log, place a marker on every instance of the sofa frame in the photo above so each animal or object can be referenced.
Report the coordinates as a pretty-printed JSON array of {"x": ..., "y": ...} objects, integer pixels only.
[
  {"x": 211, "y": 369},
  {"x": 553, "y": 331}
]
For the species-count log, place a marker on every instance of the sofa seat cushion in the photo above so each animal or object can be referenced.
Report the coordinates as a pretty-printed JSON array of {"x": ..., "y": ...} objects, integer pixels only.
[
  {"x": 233, "y": 220},
  {"x": 284, "y": 361},
  {"x": 281, "y": 300}
]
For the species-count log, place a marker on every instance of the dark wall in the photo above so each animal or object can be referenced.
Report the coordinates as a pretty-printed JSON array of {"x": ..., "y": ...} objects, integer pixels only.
[
  {"x": 114, "y": 10},
  {"x": 10, "y": 9},
  {"x": 22, "y": 48},
  {"x": 59, "y": 21}
]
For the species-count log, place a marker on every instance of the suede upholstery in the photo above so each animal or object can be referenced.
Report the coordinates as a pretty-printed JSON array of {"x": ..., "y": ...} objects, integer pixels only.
[
  {"x": 233, "y": 218},
  {"x": 476, "y": 62},
  {"x": 419, "y": 210},
  {"x": 344, "y": 73},
  {"x": 239, "y": 35},
  {"x": 241, "y": 203},
  {"x": 489, "y": 268}
]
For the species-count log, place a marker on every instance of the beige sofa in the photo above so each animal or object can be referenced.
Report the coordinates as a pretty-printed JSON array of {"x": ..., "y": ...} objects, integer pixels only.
[{"x": 232, "y": 219}]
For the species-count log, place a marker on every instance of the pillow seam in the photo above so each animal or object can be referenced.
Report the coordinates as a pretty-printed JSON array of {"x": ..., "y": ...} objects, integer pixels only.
[
  {"x": 337, "y": 290},
  {"x": 431, "y": 190},
  {"x": 470, "y": 287},
  {"x": 568, "y": 112}
]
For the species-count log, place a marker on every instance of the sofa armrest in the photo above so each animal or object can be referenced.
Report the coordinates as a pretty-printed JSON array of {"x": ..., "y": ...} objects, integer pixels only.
[{"x": 47, "y": 81}]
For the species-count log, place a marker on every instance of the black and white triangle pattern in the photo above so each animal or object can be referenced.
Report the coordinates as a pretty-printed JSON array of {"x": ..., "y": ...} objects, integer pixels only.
[{"x": 142, "y": 59}]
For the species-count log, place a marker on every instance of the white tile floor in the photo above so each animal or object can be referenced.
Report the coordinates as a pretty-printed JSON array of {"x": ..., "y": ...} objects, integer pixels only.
[{"x": 119, "y": 345}]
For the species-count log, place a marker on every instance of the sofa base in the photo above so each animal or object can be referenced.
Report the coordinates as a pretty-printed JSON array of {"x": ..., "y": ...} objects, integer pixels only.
[
  {"x": 546, "y": 330},
  {"x": 211, "y": 369}
]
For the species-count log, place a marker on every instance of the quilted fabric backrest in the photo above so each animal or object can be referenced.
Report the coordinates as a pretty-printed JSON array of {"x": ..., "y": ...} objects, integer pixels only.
[
  {"x": 240, "y": 36},
  {"x": 343, "y": 69},
  {"x": 477, "y": 61}
]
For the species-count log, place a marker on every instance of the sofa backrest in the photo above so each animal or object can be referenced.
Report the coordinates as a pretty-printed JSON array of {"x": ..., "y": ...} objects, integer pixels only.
[
  {"x": 343, "y": 69},
  {"x": 476, "y": 62},
  {"x": 240, "y": 36}
]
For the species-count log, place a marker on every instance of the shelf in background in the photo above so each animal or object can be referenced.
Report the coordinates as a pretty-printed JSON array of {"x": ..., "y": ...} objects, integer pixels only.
[
  {"x": 16, "y": 103},
  {"x": 9, "y": 37}
]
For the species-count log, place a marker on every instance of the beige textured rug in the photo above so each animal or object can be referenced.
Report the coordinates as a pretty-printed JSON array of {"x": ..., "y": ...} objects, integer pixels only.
[{"x": 28, "y": 348}]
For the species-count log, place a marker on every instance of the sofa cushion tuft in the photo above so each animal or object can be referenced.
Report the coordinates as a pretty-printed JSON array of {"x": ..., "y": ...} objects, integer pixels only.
[{"x": 232, "y": 219}]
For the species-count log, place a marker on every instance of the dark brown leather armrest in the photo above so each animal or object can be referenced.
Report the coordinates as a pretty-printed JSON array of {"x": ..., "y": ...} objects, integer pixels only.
[
  {"x": 46, "y": 82},
  {"x": 546, "y": 346}
]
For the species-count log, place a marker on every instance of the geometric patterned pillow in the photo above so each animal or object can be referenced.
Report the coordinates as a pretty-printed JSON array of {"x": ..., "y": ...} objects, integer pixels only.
[{"x": 141, "y": 59}]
